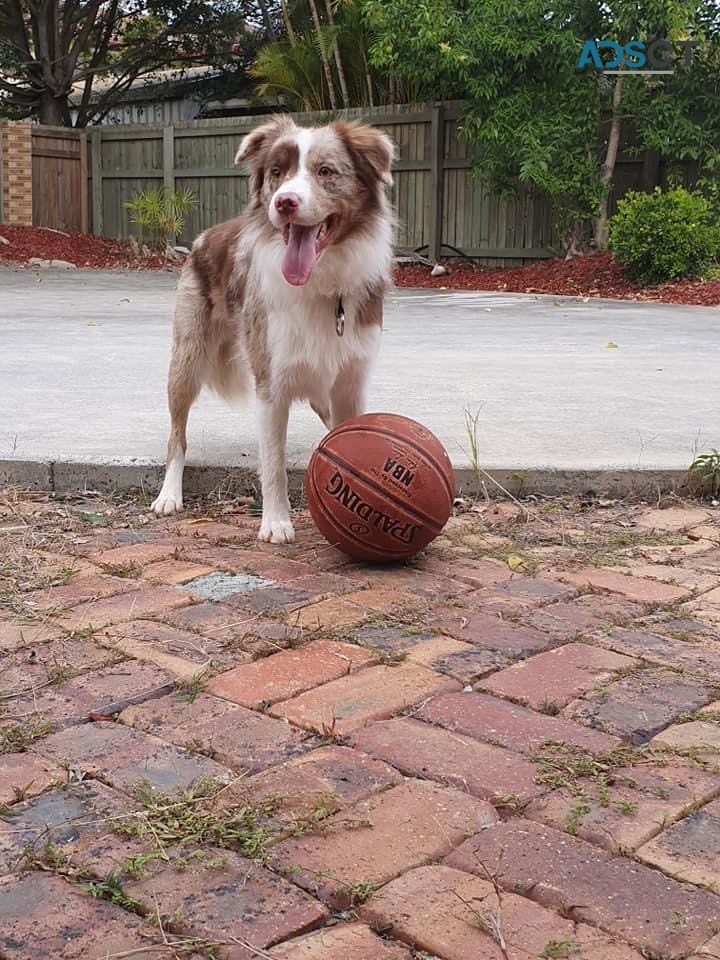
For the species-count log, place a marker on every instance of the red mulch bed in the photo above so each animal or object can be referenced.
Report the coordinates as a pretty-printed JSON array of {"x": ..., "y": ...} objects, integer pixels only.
[
  {"x": 82, "y": 249},
  {"x": 596, "y": 276}
]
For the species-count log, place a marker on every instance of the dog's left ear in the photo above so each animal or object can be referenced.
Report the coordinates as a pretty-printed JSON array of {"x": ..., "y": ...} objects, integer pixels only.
[{"x": 372, "y": 151}]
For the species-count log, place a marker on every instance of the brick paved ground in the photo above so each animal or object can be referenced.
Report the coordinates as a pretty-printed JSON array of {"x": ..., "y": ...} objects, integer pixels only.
[{"x": 215, "y": 749}]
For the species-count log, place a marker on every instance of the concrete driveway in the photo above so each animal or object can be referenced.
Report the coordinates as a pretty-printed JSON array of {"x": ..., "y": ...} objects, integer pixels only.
[{"x": 601, "y": 385}]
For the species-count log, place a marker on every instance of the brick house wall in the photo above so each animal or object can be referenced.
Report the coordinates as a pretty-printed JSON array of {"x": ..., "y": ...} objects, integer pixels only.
[{"x": 16, "y": 173}]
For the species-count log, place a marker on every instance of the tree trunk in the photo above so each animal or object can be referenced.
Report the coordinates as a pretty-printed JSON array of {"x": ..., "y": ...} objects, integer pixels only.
[
  {"x": 288, "y": 22},
  {"x": 267, "y": 20},
  {"x": 650, "y": 176},
  {"x": 325, "y": 63},
  {"x": 575, "y": 243},
  {"x": 608, "y": 168},
  {"x": 53, "y": 111},
  {"x": 338, "y": 58},
  {"x": 368, "y": 80}
]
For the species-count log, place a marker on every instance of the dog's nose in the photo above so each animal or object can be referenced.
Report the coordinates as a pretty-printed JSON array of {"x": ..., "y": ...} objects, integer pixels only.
[{"x": 287, "y": 203}]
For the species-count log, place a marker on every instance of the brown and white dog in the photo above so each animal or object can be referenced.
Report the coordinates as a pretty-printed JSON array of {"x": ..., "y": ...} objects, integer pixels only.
[{"x": 261, "y": 298}]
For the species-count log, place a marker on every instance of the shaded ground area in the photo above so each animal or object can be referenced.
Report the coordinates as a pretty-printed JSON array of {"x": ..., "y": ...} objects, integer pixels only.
[
  {"x": 211, "y": 748},
  {"x": 596, "y": 276}
]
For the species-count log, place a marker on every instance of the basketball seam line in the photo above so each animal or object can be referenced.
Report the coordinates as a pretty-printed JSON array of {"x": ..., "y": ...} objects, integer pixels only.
[
  {"x": 410, "y": 442},
  {"x": 398, "y": 503}
]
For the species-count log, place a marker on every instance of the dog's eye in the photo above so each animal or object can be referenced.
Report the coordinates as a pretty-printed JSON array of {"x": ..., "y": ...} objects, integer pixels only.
[
  {"x": 325, "y": 171},
  {"x": 274, "y": 171}
]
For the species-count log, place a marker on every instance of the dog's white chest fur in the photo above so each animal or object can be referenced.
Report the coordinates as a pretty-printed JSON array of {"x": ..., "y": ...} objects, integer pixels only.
[{"x": 306, "y": 352}]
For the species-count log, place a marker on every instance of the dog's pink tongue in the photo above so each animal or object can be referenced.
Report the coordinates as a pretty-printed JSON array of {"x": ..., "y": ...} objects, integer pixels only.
[{"x": 300, "y": 255}]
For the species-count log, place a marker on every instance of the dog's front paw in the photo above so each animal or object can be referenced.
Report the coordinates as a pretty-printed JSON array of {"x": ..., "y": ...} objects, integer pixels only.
[
  {"x": 276, "y": 531},
  {"x": 167, "y": 503}
]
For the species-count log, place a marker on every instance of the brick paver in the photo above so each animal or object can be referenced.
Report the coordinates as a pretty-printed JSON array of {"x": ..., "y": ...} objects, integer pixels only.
[
  {"x": 453, "y": 914},
  {"x": 689, "y": 850},
  {"x": 630, "y": 806},
  {"x": 93, "y": 614},
  {"x": 234, "y": 631},
  {"x": 674, "y": 519},
  {"x": 241, "y": 738},
  {"x": 651, "y": 593},
  {"x": 371, "y": 694},
  {"x": 304, "y": 791},
  {"x": 550, "y": 680},
  {"x": 283, "y": 675},
  {"x": 70, "y": 824},
  {"x": 622, "y": 898},
  {"x": 509, "y": 725},
  {"x": 695, "y": 656},
  {"x": 105, "y": 692},
  {"x": 517, "y": 596},
  {"x": 22, "y": 633},
  {"x": 122, "y": 756},
  {"x": 639, "y": 706},
  {"x": 698, "y": 738},
  {"x": 421, "y": 750},
  {"x": 492, "y": 632},
  {"x": 508, "y": 749},
  {"x": 582, "y": 617},
  {"x": 377, "y": 839},
  {"x": 349, "y": 941},
  {"x": 77, "y": 590},
  {"x": 33, "y": 668},
  {"x": 43, "y": 916},
  {"x": 23, "y": 775},
  {"x": 175, "y": 571},
  {"x": 223, "y": 896}
]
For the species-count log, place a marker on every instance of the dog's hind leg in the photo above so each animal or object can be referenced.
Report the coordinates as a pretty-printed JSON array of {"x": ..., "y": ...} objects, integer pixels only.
[
  {"x": 348, "y": 397},
  {"x": 323, "y": 412},
  {"x": 183, "y": 388}
]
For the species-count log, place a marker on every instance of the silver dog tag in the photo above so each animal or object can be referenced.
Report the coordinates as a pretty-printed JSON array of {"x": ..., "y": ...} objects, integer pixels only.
[{"x": 339, "y": 316}]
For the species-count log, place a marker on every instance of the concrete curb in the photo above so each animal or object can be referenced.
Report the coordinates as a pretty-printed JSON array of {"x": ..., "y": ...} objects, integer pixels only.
[{"x": 69, "y": 477}]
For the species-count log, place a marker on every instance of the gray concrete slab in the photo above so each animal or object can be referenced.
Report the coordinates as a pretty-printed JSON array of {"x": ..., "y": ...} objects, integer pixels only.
[{"x": 83, "y": 360}]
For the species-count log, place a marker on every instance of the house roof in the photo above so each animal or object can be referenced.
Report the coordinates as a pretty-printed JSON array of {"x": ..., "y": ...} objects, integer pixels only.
[{"x": 158, "y": 85}]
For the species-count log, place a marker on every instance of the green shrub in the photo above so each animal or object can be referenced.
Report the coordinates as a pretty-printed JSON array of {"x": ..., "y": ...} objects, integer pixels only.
[
  {"x": 663, "y": 236},
  {"x": 161, "y": 212}
]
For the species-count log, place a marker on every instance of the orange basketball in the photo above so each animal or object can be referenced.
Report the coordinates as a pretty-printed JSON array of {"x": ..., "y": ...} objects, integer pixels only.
[{"x": 380, "y": 487}]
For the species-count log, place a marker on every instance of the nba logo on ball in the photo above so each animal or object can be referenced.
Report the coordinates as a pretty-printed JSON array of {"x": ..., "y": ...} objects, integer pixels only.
[{"x": 380, "y": 487}]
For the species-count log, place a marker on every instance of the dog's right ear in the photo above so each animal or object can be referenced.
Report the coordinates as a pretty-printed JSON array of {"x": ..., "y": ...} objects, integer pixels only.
[{"x": 254, "y": 146}]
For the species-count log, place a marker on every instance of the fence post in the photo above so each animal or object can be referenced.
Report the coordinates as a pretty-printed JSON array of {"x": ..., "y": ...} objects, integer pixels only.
[
  {"x": 97, "y": 187},
  {"x": 2, "y": 177},
  {"x": 437, "y": 154},
  {"x": 84, "y": 225},
  {"x": 169, "y": 158}
]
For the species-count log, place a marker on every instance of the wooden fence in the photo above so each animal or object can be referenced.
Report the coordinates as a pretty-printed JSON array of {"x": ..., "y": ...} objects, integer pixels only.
[
  {"x": 59, "y": 179},
  {"x": 441, "y": 208}
]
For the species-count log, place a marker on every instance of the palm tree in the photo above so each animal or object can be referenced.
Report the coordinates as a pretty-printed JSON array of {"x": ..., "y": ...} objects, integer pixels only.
[
  {"x": 338, "y": 58},
  {"x": 287, "y": 21},
  {"x": 292, "y": 70},
  {"x": 323, "y": 56},
  {"x": 298, "y": 67}
]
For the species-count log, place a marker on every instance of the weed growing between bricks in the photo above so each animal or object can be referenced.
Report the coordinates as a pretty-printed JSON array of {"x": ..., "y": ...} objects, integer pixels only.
[
  {"x": 17, "y": 737},
  {"x": 191, "y": 818}
]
